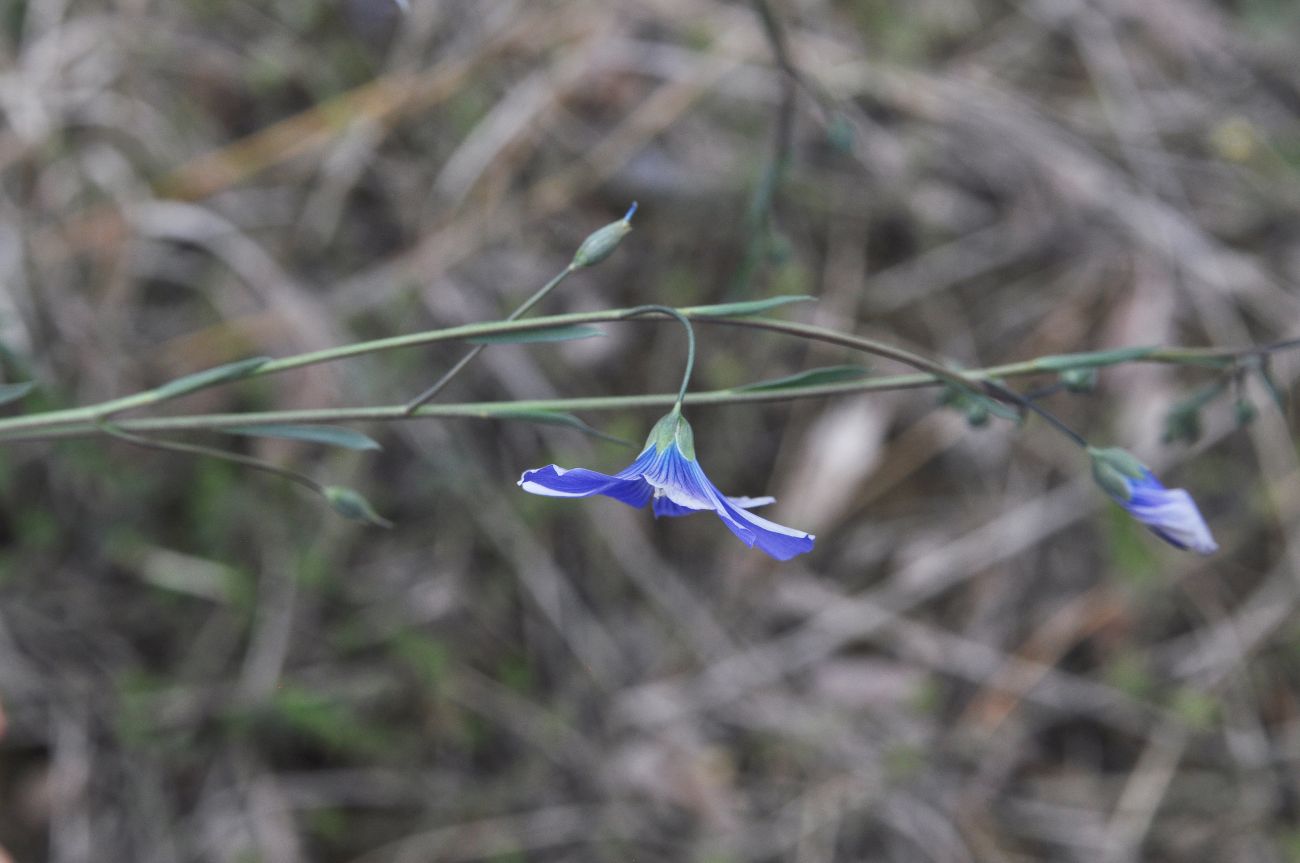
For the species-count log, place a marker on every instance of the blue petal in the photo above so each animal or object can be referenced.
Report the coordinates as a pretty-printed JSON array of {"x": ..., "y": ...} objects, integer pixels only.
[
  {"x": 664, "y": 506},
  {"x": 1171, "y": 514},
  {"x": 777, "y": 540},
  {"x": 679, "y": 487},
  {"x": 627, "y": 486}
]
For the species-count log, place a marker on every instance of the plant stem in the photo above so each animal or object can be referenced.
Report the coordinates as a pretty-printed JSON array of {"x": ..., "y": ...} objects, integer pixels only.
[
  {"x": 429, "y": 394},
  {"x": 114, "y": 430},
  {"x": 690, "y": 343},
  {"x": 1008, "y": 394},
  {"x": 37, "y": 425}
]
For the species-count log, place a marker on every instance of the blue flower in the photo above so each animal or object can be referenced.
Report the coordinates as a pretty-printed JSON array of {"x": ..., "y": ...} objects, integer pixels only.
[
  {"x": 1170, "y": 513},
  {"x": 667, "y": 473}
]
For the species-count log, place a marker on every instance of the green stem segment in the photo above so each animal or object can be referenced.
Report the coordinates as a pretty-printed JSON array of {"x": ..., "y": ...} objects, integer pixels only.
[
  {"x": 1008, "y": 394},
  {"x": 596, "y": 248},
  {"x": 80, "y": 421},
  {"x": 429, "y": 394},
  {"x": 690, "y": 344},
  {"x": 113, "y": 430}
]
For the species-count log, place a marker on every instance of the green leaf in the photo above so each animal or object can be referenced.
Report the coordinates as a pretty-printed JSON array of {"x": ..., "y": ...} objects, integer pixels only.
[
  {"x": 810, "y": 378},
  {"x": 211, "y": 377},
  {"x": 13, "y": 392},
  {"x": 1062, "y": 362},
  {"x": 1000, "y": 408},
  {"x": 559, "y": 419},
  {"x": 352, "y": 505},
  {"x": 547, "y": 334},
  {"x": 328, "y": 435},
  {"x": 977, "y": 406},
  {"x": 745, "y": 309}
]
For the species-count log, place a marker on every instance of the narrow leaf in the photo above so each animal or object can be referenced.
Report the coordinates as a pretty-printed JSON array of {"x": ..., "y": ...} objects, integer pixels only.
[
  {"x": 549, "y": 334},
  {"x": 810, "y": 378},
  {"x": 1000, "y": 408},
  {"x": 13, "y": 392},
  {"x": 741, "y": 310},
  {"x": 1061, "y": 362},
  {"x": 328, "y": 435},
  {"x": 211, "y": 377},
  {"x": 352, "y": 505},
  {"x": 560, "y": 419}
]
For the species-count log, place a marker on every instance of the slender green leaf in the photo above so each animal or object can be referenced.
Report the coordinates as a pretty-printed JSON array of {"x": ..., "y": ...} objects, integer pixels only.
[
  {"x": 558, "y": 418},
  {"x": 745, "y": 309},
  {"x": 1000, "y": 408},
  {"x": 810, "y": 378},
  {"x": 328, "y": 435},
  {"x": 549, "y": 334},
  {"x": 13, "y": 392},
  {"x": 211, "y": 377},
  {"x": 352, "y": 505},
  {"x": 1062, "y": 362}
]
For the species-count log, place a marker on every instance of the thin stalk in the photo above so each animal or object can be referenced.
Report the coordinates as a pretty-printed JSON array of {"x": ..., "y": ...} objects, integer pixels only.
[
  {"x": 429, "y": 394},
  {"x": 598, "y": 246},
  {"x": 1007, "y": 394},
  {"x": 858, "y": 343},
  {"x": 24, "y": 425},
  {"x": 472, "y": 410},
  {"x": 114, "y": 430},
  {"x": 690, "y": 344}
]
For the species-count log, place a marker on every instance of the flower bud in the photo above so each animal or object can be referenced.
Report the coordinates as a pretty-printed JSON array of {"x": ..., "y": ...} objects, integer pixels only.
[
  {"x": 1079, "y": 380},
  {"x": 1170, "y": 514},
  {"x": 601, "y": 244},
  {"x": 352, "y": 505}
]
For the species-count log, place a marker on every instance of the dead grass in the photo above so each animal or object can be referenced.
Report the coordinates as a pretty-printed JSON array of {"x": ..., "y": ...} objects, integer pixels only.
[{"x": 982, "y": 660}]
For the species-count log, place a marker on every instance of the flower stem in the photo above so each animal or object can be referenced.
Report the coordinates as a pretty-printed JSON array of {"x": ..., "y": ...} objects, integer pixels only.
[
  {"x": 429, "y": 394},
  {"x": 1007, "y": 394},
  {"x": 113, "y": 430},
  {"x": 690, "y": 344},
  {"x": 80, "y": 419}
]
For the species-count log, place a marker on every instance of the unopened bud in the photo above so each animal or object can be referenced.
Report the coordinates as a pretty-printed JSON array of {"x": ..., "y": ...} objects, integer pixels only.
[
  {"x": 601, "y": 244},
  {"x": 352, "y": 505},
  {"x": 1079, "y": 380}
]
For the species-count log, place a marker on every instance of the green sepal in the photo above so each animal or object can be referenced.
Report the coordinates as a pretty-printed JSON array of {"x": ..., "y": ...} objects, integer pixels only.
[
  {"x": 352, "y": 505},
  {"x": 1113, "y": 467},
  {"x": 1080, "y": 380},
  {"x": 977, "y": 407},
  {"x": 672, "y": 429}
]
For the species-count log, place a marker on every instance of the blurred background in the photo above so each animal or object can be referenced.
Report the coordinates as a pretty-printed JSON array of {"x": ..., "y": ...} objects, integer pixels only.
[{"x": 982, "y": 659}]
